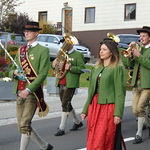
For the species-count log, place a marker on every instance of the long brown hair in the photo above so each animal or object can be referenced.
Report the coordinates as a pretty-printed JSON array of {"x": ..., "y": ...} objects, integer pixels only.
[{"x": 115, "y": 58}]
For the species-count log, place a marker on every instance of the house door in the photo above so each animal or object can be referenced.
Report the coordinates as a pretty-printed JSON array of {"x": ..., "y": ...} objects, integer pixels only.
[{"x": 68, "y": 21}]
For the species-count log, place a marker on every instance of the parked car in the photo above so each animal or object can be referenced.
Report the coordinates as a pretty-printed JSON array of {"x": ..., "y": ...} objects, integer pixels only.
[
  {"x": 12, "y": 39},
  {"x": 53, "y": 42},
  {"x": 126, "y": 39}
]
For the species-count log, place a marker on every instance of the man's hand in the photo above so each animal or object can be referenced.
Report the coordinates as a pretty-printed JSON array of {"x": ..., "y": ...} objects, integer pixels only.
[
  {"x": 19, "y": 76},
  {"x": 24, "y": 93},
  {"x": 67, "y": 66},
  {"x": 131, "y": 44},
  {"x": 136, "y": 52},
  {"x": 15, "y": 72},
  {"x": 55, "y": 63}
]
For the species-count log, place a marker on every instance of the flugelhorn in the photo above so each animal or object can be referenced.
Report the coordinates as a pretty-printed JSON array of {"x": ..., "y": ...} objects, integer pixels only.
[
  {"x": 128, "y": 52},
  {"x": 114, "y": 37}
]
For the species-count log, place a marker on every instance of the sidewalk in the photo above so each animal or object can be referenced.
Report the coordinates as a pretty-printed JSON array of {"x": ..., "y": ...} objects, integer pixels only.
[{"x": 8, "y": 108}]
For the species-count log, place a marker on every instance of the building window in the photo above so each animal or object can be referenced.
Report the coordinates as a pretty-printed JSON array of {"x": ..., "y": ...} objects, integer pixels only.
[
  {"x": 90, "y": 15},
  {"x": 43, "y": 16},
  {"x": 130, "y": 11}
]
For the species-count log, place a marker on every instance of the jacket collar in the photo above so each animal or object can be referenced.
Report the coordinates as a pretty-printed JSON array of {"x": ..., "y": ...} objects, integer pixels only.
[
  {"x": 71, "y": 51},
  {"x": 99, "y": 70},
  {"x": 33, "y": 44}
]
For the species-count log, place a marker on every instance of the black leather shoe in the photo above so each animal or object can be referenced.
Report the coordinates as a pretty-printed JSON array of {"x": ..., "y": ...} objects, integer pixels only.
[
  {"x": 76, "y": 126},
  {"x": 60, "y": 132},
  {"x": 137, "y": 140},
  {"x": 50, "y": 147}
]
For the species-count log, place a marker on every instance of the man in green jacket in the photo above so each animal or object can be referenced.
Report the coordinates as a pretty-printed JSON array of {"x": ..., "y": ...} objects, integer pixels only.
[
  {"x": 67, "y": 86},
  {"x": 34, "y": 61},
  {"x": 140, "y": 61}
]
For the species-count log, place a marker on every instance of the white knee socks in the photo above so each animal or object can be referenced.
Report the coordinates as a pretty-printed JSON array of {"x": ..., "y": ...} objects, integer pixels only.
[
  {"x": 74, "y": 117},
  {"x": 140, "y": 126},
  {"x": 36, "y": 137},
  {"x": 64, "y": 118},
  {"x": 24, "y": 141}
]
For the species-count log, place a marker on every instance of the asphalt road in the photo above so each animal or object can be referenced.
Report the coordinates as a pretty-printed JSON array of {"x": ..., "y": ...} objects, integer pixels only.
[{"x": 72, "y": 140}]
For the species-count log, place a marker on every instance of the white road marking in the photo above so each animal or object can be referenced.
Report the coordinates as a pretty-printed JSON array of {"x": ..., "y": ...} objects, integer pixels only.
[
  {"x": 125, "y": 140},
  {"x": 129, "y": 139}
]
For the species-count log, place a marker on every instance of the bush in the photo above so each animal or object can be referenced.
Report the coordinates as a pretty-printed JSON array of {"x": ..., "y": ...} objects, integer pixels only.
[
  {"x": 5, "y": 64},
  {"x": 12, "y": 48},
  {"x": 2, "y": 52},
  {"x": 1, "y": 74},
  {"x": 6, "y": 73},
  {"x": 83, "y": 78},
  {"x": 47, "y": 28},
  {"x": 2, "y": 62}
]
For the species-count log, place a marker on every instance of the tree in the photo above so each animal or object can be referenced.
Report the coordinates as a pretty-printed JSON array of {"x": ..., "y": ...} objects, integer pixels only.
[
  {"x": 7, "y": 7},
  {"x": 47, "y": 28},
  {"x": 15, "y": 22}
]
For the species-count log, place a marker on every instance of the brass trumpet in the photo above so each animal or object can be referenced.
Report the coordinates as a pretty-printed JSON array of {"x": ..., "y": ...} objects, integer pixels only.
[{"x": 128, "y": 52}]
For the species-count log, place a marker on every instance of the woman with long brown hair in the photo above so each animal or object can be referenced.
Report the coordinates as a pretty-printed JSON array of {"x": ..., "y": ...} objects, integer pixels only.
[{"x": 106, "y": 95}]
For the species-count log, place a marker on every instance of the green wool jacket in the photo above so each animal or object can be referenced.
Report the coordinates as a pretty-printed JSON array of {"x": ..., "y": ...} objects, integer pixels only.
[
  {"x": 73, "y": 75},
  {"x": 112, "y": 88},
  {"x": 40, "y": 61},
  {"x": 143, "y": 63}
]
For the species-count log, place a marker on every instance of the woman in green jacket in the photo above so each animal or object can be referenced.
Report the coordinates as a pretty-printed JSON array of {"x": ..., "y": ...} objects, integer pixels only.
[{"x": 106, "y": 95}]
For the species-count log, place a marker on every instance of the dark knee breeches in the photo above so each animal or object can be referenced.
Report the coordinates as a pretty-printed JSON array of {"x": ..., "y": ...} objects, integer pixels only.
[{"x": 66, "y": 95}]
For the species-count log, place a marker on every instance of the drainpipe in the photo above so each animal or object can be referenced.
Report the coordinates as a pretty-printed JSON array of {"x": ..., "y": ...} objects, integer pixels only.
[{"x": 62, "y": 20}]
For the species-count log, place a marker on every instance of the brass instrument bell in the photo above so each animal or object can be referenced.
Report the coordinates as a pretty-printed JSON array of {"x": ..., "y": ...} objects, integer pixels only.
[
  {"x": 114, "y": 37},
  {"x": 128, "y": 52}
]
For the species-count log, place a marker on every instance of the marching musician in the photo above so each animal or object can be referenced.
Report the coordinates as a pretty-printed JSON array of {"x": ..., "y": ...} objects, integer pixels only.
[
  {"x": 140, "y": 79},
  {"x": 34, "y": 61},
  {"x": 67, "y": 86}
]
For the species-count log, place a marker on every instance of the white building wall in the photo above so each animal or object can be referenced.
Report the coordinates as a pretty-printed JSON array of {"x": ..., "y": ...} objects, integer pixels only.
[
  {"x": 32, "y": 7},
  {"x": 109, "y": 13}
]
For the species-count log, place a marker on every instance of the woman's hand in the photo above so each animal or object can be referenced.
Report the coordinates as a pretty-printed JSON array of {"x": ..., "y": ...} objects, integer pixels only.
[
  {"x": 117, "y": 120},
  {"x": 83, "y": 116}
]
